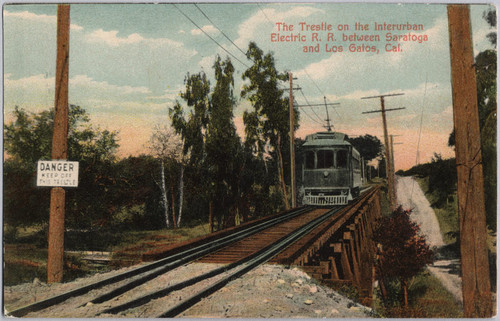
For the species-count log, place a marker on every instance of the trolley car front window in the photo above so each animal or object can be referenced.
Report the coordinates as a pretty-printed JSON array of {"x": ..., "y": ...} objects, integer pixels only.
[
  {"x": 325, "y": 158},
  {"x": 342, "y": 159},
  {"x": 310, "y": 160}
]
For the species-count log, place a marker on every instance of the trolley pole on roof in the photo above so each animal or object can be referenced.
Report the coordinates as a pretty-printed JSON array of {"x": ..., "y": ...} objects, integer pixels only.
[
  {"x": 328, "y": 127},
  {"x": 292, "y": 141},
  {"x": 55, "y": 258},
  {"x": 470, "y": 189},
  {"x": 389, "y": 164}
]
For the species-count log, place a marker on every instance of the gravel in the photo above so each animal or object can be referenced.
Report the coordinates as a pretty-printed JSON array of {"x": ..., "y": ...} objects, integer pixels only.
[{"x": 271, "y": 291}]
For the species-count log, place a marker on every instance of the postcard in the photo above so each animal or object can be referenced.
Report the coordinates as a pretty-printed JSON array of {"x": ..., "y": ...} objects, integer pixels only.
[{"x": 249, "y": 160}]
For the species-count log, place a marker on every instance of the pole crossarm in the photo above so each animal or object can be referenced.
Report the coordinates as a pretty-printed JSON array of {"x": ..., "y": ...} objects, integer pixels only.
[
  {"x": 318, "y": 105},
  {"x": 380, "y": 110},
  {"x": 380, "y": 96}
]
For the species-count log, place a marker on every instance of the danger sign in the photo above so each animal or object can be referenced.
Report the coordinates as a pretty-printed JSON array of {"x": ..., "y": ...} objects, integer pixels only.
[{"x": 57, "y": 173}]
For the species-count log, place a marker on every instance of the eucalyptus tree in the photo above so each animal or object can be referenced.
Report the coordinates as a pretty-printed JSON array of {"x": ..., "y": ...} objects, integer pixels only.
[
  {"x": 191, "y": 123},
  {"x": 268, "y": 124},
  {"x": 209, "y": 136},
  {"x": 223, "y": 146}
]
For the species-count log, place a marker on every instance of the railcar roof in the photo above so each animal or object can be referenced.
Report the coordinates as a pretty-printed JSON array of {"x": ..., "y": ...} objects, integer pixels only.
[{"x": 326, "y": 139}]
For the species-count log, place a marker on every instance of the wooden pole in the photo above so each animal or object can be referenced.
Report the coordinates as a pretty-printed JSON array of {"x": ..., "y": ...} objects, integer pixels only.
[
  {"x": 55, "y": 258},
  {"x": 292, "y": 141},
  {"x": 388, "y": 166},
  {"x": 393, "y": 173},
  {"x": 473, "y": 248},
  {"x": 388, "y": 151}
]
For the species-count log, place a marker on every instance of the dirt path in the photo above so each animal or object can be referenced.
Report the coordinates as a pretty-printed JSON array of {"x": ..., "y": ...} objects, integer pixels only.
[{"x": 411, "y": 196}]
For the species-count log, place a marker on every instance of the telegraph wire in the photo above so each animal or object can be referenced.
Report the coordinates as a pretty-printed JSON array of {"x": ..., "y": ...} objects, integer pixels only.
[
  {"x": 417, "y": 156},
  {"x": 244, "y": 64},
  {"x": 321, "y": 91},
  {"x": 265, "y": 15},
  {"x": 307, "y": 102},
  {"x": 192, "y": 21},
  {"x": 220, "y": 30},
  {"x": 307, "y": 114}
]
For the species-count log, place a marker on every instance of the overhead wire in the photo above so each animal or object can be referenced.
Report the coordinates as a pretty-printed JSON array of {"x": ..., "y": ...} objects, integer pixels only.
[
  {"x": 215, "y": 41},
  {"x": 417, "y": 156},
  {"x": 220, "y": 30},
  {"x": 307, "y": 114},
  {"x": 307, "y": 102},
  {"x": 232, "y": 55}
]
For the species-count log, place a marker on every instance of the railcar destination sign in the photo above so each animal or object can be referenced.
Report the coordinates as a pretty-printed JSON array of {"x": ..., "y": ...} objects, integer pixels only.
[{"x": 57, "y": 173}]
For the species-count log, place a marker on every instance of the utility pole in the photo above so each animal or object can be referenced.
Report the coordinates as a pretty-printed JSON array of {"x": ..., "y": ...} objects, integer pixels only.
[
  {"x": 55, "y": 258},
  {"x": 393, "y": 165},
  {"x": 470, "y": 189},
  {"x": 292, "y": 140},
  {"x": 389, "y": 165}
]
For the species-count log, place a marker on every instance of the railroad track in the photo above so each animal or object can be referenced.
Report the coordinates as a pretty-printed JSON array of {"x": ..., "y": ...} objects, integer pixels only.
[
  {"x": 149, "y": 271},
  {"x": 274, "y": 235}
]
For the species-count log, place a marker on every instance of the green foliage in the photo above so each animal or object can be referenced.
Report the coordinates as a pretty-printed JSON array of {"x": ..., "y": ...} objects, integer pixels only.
[
  {"x": 368, "y": 146},
  {"x": 223, "y": 146},
  {"x": 28, "y": 138},
  {"x": 267, "y": 125},
  {"x": 442, "y": 178},
  {"x": 221, "y": 170}
]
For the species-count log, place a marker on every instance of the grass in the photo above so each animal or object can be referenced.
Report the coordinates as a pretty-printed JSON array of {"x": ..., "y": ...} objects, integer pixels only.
[
  {"x": 428, "y": 293},
  {"x": 25, "y": 258},
  {"x": 427, "y": 299}
]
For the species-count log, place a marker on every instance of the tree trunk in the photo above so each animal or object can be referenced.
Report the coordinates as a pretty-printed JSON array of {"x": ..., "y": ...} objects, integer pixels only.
[
  {"x": 164, "y": 194},
  {"x": 173, "y": 204},
  {"x": 282, "y": 173},
  {"x": 210, "y": 217},
  {"x": 404, "y": 286},
  {"x": 181, "y": 195}
]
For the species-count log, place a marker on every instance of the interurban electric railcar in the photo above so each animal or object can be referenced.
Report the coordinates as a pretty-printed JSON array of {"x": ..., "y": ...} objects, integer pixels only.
[{"x": 331, "y": 170}]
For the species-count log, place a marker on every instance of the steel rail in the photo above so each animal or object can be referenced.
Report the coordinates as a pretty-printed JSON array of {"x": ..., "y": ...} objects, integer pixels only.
[
  {"x": 164, "y": 265},
  {"x": 263, "y": 256},
  {"x": 196, "y": 255}
]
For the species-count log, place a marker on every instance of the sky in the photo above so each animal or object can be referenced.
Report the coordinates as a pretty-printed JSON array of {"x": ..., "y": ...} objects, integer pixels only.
[{"x": 128, "y": 63}]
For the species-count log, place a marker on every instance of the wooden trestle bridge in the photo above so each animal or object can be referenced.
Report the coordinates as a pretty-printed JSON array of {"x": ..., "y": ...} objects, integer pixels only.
[{"x": 333, "y": 245}]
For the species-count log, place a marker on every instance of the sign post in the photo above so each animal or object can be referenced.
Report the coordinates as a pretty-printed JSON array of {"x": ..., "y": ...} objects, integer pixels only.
[{"x": 55, "y": 258}]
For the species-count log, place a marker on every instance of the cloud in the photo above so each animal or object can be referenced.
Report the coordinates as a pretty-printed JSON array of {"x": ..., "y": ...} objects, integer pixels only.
[
  {"x": 112, "y": 39},
  {"x": 38, "y": 91},
  {"x": 253, "y": 27},
  {"x": 169, "y": 94},
  {"x": 207, "y": 62},
  {"x": 87, "y": 82},
  {"x": 211, "y": 30},
  {"x": 43, "y": 18}
]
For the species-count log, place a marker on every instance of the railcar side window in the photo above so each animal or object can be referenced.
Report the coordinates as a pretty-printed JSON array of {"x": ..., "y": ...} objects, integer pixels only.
[
  {"x": 356, "y": 163},
  {"x": 310, "y": 159},
  {"x": 342, "y": 158},
  {"x": 325, "y": 158}
]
